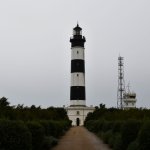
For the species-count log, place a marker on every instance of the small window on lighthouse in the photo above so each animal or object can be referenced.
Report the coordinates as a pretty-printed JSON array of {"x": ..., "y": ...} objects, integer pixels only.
[
  {"x": 77, "y": 75},
  {"x": 77, "y": 52},
  {"x": 78, "y": 113}
]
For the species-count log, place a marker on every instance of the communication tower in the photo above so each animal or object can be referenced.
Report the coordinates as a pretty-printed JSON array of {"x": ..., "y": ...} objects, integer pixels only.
[{"x": 121, "y": 83}]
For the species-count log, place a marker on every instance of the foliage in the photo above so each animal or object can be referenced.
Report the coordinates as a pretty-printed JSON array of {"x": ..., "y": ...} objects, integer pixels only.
[
  {"x": 30, "y": 128},
  {"x": 14, "y": 135},
  {"x": 37, "y": 132},
  {"x": 129, "y": 132},
  {"x": 144, "y": 136},
  {"x": 133, "y": 145},
  {"x": 121, "y": 129},
  {"x": 49, "y": 142},
  {"x": 30, "y": 113}
]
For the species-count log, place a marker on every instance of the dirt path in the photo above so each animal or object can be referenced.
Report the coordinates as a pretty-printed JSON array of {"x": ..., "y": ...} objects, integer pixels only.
[{"x": 79, "y": 138}]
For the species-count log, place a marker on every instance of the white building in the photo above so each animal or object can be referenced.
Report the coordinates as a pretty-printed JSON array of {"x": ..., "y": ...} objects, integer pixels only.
[
  {"x": 129, "y": 100},
  {"x": 77, "y": 111},
  {"x": 78, "y": 114}
]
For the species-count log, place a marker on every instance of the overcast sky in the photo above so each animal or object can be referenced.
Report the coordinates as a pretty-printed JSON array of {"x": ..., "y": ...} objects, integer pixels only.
[{"x": 35, "y": 50}]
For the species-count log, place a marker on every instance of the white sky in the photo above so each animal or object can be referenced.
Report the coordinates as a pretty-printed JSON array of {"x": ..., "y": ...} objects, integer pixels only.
[{"x": 35, "y": 50}]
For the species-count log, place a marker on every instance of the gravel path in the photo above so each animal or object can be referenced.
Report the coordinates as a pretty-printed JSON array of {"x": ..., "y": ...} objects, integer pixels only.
[{"x": 79, "y": 138}]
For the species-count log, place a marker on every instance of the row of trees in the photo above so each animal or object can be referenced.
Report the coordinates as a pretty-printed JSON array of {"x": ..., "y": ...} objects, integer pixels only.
[
  {"x": 30, "y": 128},
  {"x": 121, "y": 129},
  {"x": 21, "y": 112}
]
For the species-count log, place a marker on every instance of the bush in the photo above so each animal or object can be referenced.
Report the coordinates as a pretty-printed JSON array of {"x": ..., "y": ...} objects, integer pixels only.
[
  {"x": 133, "y": 146},
  {"x": 14, "y": 135},
  {"x": 129, "y": 132},
  {"x": 37, "y": 132},
  {"x": 112, "y": 140},
  {"x": 117, "y": 129},
  {"x": 117, "y": 126},
  {"x": 49, "y": 142},
  {"x": 107, "y": 125},
  {"x": 47, "y": 127},
  {"x": 94, "y": 125},
  {"x": 118, "y": 142},
  {"x": 106, "y": 136},
  {"x": 144, "y": 137},
  {"x": 53, "y": 128}
]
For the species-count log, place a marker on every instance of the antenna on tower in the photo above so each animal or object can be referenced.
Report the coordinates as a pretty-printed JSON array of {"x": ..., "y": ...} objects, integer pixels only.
[
  {"x": 128, "y": 88},
  {"x": 121, "y": 83}
]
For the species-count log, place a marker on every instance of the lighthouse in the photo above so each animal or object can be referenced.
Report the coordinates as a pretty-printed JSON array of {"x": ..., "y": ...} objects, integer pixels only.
[
  {"x": 77, "y": 110},
  {"x": 77, "y": 89}
]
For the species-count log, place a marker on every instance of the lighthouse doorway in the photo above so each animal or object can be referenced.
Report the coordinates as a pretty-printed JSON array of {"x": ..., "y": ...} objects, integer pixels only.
[{"x": 77, "y": 121}]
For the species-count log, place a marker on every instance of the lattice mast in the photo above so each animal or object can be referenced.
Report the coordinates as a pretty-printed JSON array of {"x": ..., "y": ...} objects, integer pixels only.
[{"x": 121, "y": 83}]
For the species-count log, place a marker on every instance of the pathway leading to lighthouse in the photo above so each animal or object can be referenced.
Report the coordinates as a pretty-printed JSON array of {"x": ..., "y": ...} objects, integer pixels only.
[{"x": 79, "y": 138}]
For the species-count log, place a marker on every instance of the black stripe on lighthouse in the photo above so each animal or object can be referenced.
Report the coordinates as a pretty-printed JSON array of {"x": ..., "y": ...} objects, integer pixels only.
[
  {"x": 77, "y": 93},
  {"x": 78, "y": 40},
  {"x": 77, "y": 65}
]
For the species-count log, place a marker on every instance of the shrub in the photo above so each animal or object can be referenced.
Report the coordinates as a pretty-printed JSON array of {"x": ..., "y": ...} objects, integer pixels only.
[
  {"x": 47, "y": 127},
  {"x": 117, "y": 126},
  {"x": 89, "y": 125},
  {"x": 118, "y": 142},
  {"x": 55, "y": 128},
  {"x": 133, "y": 146},
  {"x": 37, "y": 132},
  {"x": 129, "y": 132},
  {"x": 144, "y": 137},
  {"x": 106, "y": 136},
  {"x": 14, "y": 135},
  {"x": 49, "y": 142},
  {"x": 112, "y": 140},
  {"x": 107, "y": 125}
]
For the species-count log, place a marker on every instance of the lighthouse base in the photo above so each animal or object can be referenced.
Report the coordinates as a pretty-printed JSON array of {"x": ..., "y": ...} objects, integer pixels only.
[{"x": 77, "y": 114}]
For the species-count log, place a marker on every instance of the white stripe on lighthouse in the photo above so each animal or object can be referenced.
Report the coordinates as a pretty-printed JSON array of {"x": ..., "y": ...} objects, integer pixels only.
[
  {"x": 77, "y": 53},
  {"x": 77, "y": 102},
  {"x": 77, "y": 79}
]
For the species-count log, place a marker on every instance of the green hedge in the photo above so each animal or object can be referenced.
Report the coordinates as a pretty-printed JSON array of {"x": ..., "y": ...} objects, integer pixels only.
[
  {"x": 39, "y": 129},
  {"x": 31, "y": 135},
  {"x": 129, "y": 132},
  {"x": 14, "y": 135},
  {"x": 122, "y": 135},
  {"x": 144, "y": 137},
  {"x": 55, "y": 128},
  {"x": 37, "y": 132}
]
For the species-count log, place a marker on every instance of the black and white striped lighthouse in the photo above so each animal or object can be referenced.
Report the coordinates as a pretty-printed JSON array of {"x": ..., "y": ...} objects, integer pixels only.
[
  {"x": 77, "y": 89},
  {"x": 77, "y": 111}
]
